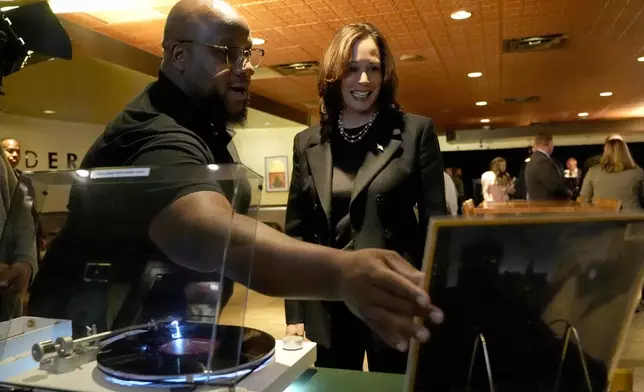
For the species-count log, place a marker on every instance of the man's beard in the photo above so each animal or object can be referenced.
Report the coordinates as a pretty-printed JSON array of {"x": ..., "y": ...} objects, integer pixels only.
[{"x": 216, "y": 109}]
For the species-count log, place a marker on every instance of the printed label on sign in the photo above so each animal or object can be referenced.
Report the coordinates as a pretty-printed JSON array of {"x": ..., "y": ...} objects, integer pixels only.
[{"x": 120, "y": 173}]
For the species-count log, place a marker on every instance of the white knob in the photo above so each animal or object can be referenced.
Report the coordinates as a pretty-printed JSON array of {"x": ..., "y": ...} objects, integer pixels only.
[{"x": 293, "y": 343}]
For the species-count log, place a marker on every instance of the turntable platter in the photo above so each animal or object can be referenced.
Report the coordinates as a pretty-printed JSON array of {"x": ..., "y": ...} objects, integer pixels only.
[
  {"x": 190, "y": 346},
  {"x": 180, "y": 352}
]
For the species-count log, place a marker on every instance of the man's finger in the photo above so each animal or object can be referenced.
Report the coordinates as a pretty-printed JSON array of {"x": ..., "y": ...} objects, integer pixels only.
[
  {"x": 398, "y": 264},
  {"x": 395, "y": 304},
  {"x": 403, "y": 288},
  {"x": 398, "y": 330},
  {"x": 388, "y": 336},
  {"x": 402, "y": 326}
]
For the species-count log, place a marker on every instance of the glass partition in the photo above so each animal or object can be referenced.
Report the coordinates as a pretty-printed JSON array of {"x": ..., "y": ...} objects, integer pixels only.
[{"x": 128, "y": 282}]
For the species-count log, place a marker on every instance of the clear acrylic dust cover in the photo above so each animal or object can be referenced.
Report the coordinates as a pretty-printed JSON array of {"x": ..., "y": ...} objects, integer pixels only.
[{"x": 86, "y": 286}]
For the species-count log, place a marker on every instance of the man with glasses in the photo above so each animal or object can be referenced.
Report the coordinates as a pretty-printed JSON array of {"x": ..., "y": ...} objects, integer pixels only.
[{"x": 182, "y": 119}]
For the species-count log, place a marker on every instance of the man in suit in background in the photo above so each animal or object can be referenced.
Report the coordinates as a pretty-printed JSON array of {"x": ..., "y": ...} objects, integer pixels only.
[{"x": 544, "y": 178}]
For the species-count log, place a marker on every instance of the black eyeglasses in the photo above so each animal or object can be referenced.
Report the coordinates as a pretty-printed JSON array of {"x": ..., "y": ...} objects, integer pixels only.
[{"x": 235, "y": 56}]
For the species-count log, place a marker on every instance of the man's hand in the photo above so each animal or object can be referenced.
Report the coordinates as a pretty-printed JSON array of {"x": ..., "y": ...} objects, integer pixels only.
[
  {"x": 385, "y": 291},
  {"x": 295, "y": 330},
  {"x": 17, "y": 275}
]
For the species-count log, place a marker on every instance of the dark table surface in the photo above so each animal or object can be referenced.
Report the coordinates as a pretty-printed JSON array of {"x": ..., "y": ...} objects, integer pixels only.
[{"x": 337, "y": 380}]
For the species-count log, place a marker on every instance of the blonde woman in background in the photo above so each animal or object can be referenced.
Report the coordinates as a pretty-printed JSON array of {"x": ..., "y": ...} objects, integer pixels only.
[
  {"x": 616, "y": 177},
  {"x": 497, "y": 185}
]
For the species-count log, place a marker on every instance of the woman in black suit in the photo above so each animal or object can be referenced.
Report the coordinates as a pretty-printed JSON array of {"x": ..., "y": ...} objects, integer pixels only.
[{"x": 357, "y": 178}]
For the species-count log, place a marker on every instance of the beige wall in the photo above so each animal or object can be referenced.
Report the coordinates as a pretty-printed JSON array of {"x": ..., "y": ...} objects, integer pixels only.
[
  {"x": 56, "y": 139},
  {"x": 48, "y": 137},
  {"x": 52, "y": 141},
  {"x": 254, "y": 145}
]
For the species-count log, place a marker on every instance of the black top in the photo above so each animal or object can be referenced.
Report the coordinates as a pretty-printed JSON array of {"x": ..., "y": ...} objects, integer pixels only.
[
  {"x": 347, "y": 160},
  {"x": 404, "y": 172},
  {"x": 160, "y": 127}
]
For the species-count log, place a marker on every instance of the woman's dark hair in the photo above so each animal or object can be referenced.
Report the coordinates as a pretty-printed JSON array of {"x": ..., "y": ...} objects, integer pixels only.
[{"x": 335, "y": 65}]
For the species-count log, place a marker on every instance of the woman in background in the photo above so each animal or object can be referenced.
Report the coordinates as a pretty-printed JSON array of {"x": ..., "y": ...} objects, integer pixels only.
[
  {"x": 496, "y": 184},
  {"x": 356, "y": 180},
  {"x": 616, "y": 177}
]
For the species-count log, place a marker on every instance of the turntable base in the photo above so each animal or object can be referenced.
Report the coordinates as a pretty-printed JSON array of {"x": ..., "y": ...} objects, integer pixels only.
[{"x": 281, "y": 371}]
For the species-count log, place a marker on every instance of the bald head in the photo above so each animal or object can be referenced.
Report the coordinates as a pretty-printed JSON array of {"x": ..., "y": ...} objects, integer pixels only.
[
  {"x": 202, "y": 21},
  {"x": 207, "y": 50}
]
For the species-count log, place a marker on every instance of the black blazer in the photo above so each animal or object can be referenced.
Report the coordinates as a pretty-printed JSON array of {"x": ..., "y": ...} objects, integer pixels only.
[
  {"x": 544, "y": 179},
  {"x": 406, "y": 172}
]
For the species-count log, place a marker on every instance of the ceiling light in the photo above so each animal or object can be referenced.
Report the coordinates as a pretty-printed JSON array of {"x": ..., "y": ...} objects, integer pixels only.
[
  {"x": 72, "y": 6},
  {"x": 605, "y": 94},
  {"x": 411, "y": 57},
  {"x": 460, "y": 15},
  {"x": 485, "y": 120},
  {"x": 583, "y": 114},
  {"x": 481, "y": 103},
  {"x": 267, "y": 124},
  {"x": 640, "y": 59},
  {"x": 258, "y": 41},
  {"x": 48, "y": 111},
  {"x": 138, "y": 15},
  {"x": 475, "y": 74}
]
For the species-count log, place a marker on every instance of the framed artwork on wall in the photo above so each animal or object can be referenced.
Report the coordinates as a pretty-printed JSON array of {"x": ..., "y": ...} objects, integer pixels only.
[{"x": 276, "y": 174}]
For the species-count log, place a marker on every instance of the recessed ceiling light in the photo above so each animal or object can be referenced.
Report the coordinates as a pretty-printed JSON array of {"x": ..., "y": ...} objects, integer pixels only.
[
  {"x": 640, "y": 59},
  {"x": 258, "y": 41},
  {"x": 485, "y": 120},
  {"x": 583, "y": 114},
  {"x": 460, "y": 15},
  {"x": 481, "y": 103},
  {"x": 49, "y": 111},
  {"x": 267, "y": 124},
  {"x": 605, "y": 94},
  {"x": 475, "y": 74}
]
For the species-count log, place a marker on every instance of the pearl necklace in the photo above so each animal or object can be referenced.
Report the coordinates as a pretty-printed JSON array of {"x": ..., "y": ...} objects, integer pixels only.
[{"x": 356, "y": 137}]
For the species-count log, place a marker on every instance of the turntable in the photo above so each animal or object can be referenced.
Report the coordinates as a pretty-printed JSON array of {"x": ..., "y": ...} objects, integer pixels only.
[
  {"x": 163, "y": 354},
  {"x": 115, "y": 316}
]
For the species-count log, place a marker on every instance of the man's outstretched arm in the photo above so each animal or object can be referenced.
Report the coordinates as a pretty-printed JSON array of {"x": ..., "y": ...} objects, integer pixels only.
[{"x": 379, "y": 286}]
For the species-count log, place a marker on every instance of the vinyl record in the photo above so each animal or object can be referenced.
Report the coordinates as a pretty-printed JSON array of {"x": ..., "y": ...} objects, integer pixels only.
[{"x": 179, "y": 353}]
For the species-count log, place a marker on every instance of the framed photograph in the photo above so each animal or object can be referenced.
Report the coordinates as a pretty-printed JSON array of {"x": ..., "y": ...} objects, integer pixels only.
[{"x": 276, "y": 174}]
